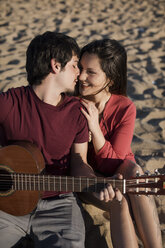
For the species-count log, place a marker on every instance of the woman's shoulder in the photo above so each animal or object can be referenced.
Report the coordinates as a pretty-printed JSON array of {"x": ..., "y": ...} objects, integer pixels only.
[
  {"x": 121, "y": 104},
  {"x": 120, "y": 99}
]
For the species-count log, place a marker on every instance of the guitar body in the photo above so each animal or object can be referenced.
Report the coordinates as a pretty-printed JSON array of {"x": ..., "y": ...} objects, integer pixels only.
[
  {"x": 23, "y": 157},
  {"x": 21, "y": 181}
]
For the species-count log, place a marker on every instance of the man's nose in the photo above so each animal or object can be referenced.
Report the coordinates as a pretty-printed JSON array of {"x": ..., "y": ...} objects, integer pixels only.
[{"x": 78, "y": 71}]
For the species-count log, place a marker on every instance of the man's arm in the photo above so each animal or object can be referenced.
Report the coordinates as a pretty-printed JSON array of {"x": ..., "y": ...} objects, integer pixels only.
[{"x": 79, "y": 165}]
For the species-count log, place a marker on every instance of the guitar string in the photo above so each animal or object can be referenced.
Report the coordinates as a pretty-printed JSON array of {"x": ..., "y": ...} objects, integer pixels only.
[
  {"x": 46, "y": 177},
  {"x": 131, "y": 182},
  {"x": 69, "y": 186}
]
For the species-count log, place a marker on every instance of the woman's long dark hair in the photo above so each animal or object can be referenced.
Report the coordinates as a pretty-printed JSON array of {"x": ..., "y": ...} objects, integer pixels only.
[{"x": 113, "y": 61}]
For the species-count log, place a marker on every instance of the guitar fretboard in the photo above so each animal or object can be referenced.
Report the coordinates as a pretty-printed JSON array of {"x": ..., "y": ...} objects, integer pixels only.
[
  {"x": 62, "y": 183},
  {"x": 153, "y": 185}
]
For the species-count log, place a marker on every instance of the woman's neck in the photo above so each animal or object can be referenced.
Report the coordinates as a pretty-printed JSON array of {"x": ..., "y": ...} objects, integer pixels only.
[{"x": 100, "y": 100}]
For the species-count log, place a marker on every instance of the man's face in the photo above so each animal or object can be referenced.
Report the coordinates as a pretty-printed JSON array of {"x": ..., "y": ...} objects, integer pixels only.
[{"x": 69, "y": 75}]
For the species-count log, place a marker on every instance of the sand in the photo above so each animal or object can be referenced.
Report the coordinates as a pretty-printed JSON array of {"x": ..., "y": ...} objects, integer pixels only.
[{"x": 138, "y": 24}]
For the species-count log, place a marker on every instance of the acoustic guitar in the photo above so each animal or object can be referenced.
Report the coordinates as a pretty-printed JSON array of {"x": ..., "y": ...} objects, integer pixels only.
[{"x": 22, "y": 180}]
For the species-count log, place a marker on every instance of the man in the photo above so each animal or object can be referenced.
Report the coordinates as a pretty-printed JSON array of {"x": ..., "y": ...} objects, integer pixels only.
[{"x": 43, "y": 114}]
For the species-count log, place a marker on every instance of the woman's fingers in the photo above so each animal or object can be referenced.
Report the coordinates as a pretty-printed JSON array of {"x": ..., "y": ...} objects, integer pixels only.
[
  {"x": 84, "y": 101},
  {"x": 85, "y": 113},
  {"x": 90, "y": 106},
  {"x": 91, "y": 114}
]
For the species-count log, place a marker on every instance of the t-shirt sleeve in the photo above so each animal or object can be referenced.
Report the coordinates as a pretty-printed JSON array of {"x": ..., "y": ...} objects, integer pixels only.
[
  {"x": 82, "y": 132},
  {"x": 6, "y": 103}
]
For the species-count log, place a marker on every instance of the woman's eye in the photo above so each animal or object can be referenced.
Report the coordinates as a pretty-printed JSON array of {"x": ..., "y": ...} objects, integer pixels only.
[{"x": 91, "y": 72}]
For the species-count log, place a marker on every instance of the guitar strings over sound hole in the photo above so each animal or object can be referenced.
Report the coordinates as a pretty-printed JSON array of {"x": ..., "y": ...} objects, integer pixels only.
[{"x": 5, "y": 181}]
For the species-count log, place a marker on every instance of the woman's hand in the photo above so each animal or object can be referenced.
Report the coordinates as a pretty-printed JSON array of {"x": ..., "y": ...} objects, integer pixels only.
[{"x": 91, "y": 115}]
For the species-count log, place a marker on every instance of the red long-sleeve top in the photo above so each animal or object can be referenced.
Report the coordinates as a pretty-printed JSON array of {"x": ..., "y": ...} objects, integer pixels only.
[{"x": 117, "y": 125}]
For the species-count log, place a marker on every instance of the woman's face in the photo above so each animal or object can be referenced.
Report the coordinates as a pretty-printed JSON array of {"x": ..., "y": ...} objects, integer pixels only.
[{"x": 91, "y": 78}]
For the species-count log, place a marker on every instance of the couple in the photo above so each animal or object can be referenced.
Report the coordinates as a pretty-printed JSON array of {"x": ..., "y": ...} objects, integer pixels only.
[{"x": 44, "y": 114}]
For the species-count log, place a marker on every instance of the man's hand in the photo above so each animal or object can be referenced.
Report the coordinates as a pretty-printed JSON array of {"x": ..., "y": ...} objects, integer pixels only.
[{"x": 109, "y": 193}]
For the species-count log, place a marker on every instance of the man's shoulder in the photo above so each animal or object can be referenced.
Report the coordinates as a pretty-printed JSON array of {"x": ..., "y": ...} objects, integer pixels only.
[
  {"x": 16, "y": 90},
  {"x": 72, "y": 101}
]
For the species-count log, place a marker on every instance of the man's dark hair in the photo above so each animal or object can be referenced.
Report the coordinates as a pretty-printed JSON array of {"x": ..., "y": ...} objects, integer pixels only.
[
  {"x": 113, "y": 61},
  {"x": 45, "y": 47}
]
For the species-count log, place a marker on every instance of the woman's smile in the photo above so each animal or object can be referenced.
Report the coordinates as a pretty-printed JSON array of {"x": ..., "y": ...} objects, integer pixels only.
[{"x": 92, "y": 79}]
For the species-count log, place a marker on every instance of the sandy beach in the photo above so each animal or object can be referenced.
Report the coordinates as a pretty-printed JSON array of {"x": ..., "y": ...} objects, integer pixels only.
[{"x": 139, "y": 25}]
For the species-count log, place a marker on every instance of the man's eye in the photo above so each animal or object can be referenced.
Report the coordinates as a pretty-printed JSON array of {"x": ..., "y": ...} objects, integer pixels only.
[
  {"x": 75, "y": 66},
  {"x": 80, "y": 67}
]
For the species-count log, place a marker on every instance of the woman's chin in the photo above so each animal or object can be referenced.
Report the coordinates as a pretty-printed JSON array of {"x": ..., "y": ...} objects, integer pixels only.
[{"x": 82, "y": 92}]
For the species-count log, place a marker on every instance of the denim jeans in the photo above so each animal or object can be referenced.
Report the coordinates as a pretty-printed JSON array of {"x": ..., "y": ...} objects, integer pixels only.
[{"x": 56, "y": 222}]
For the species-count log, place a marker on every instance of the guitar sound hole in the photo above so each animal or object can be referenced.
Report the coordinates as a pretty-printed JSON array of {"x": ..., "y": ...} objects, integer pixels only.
[{"x": 5, "y": 181}]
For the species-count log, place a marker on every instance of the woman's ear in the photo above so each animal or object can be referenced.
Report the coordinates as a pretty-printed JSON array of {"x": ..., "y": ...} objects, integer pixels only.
[
  {"x": 111, "y": 83},
  {"x": 56, "y": 66}
]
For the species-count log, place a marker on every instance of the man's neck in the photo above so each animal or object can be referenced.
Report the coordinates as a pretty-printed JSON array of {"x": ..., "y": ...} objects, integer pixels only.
[{"x": 46, "y": 95}]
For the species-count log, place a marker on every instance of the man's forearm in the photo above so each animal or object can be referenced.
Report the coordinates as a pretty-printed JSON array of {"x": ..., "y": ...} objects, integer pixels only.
[{"x": 80, "y": 168}]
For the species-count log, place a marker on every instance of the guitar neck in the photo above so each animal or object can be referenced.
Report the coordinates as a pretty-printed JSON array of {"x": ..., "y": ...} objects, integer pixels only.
[
  {"x": 146, "y": 185},
  {"x": 63, "y": 183}
]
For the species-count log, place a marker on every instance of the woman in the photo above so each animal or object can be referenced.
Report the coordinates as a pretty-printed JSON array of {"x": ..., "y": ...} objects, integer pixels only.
[{"x": 111, "y": 117}]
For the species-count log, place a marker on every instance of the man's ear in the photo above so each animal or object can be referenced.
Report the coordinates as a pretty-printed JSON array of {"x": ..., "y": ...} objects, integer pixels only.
[{"x": 56, "y": 66}]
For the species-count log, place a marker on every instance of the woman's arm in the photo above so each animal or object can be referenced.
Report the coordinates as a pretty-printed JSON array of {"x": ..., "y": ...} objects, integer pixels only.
[
  {"x": 117, "y": 146},
  {"x": 119, "y": 141}
]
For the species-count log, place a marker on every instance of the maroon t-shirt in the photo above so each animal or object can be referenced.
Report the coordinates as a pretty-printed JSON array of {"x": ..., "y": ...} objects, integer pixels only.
[{"x": 23, "y": 116}]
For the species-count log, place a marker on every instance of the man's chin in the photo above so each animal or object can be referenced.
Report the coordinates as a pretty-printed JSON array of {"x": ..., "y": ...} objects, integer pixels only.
[{"x": 70, "y": 92}]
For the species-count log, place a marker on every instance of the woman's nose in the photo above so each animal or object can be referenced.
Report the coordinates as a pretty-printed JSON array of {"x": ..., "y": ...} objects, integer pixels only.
[{"x": 82, "y": 76}]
